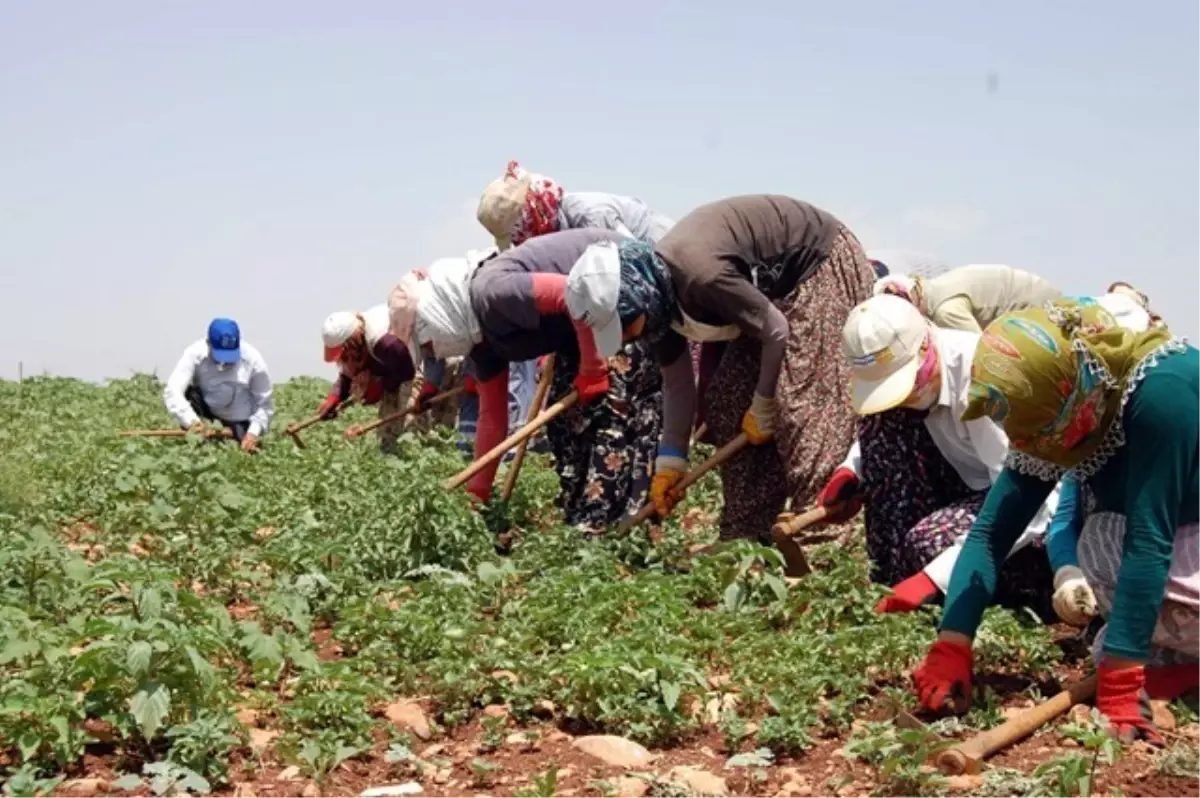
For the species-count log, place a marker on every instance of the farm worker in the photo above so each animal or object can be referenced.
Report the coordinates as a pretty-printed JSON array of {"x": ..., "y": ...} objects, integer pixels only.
[
  {"x": 374, "y": 367},
  {"x": 222, "y": 378},
  {"x": 920, "y": 473},
  {"x": 512, "y": 308},
  {"x": 443, "y": 375},
  {"x": 1074, "y": 599},
  {"x": 521, "y": 205},
  {"x": 1077, "y": 391},
  {"x": 773, "y": 277},
  {"x": 969, "y": 297},
  {"x": 905, "y": 261}
]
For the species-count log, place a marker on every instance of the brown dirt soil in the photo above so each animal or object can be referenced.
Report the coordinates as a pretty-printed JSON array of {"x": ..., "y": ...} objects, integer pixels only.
[{"x": 822, "y": 770}]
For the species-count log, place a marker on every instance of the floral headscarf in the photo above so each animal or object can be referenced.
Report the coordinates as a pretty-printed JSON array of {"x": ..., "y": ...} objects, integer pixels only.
[
  {"x": 1057, "y": 378},
  {"x": 646, "y": 287},
  {"x": 539, "y": 214}
]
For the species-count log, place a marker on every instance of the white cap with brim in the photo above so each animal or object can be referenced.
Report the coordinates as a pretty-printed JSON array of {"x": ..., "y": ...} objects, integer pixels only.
[
  {"x": 882, "y": 340},
  {"x": 593, "y": 288}
]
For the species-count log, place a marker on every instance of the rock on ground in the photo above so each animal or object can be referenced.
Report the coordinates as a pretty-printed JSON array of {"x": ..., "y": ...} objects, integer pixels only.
[
  {"x": 630, "y": 787},
  {"x": 393, "y": 790},
  {"x": 408, "y": 716},
  {"x": 701, "y": 782},
  {"x": 616, "y": 751}
]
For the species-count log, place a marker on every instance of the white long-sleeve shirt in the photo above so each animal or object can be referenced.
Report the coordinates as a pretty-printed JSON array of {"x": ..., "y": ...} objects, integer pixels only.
[
  {"x": 238, "y": 392},
  {"x": 975, "y": 449}
]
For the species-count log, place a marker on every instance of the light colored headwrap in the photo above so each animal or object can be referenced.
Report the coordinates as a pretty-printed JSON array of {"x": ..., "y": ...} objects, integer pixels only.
[{"x": 444, "y": 316}]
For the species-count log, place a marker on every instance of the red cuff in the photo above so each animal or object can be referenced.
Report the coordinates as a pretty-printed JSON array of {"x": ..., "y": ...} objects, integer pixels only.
[
  {"x": 490, "y": 430},
  {"x": 550, "y": 299}
]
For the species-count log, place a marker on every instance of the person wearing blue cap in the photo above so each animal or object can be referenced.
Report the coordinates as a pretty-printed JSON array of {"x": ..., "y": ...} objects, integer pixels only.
[{"x": 222, "y": 378}]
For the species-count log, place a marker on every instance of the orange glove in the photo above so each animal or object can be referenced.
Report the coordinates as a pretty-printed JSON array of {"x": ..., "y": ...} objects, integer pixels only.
[
  {"x": 668, "y": 470},
  {"x": 759, "y": 421}
]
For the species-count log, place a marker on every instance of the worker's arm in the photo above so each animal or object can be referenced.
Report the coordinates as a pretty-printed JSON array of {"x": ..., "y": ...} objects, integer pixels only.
[
  {"x": 679, "y": 397},
  {"x": 177, "y": 385},
  {"x": 1161, "y": 429},
  {"x": 396, "y": 360},
  {"x": 956, "y": 314},
  {"x": 1011, "y": 503},
  {"x": 1062, "y": 535},
  {"x": 550, "y": 299},
  {"x": 261, "y": 399},
  {"x": 490, "y": 430}
]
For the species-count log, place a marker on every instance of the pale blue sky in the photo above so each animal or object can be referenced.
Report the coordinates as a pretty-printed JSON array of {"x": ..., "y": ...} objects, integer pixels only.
[{"x": 163, "y": 163}]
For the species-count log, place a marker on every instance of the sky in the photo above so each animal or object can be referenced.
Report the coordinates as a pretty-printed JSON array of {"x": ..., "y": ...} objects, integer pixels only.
[{"x": 165, "y": 163}]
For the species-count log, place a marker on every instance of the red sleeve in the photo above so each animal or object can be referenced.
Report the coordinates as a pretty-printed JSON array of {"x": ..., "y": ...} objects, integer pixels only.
[
  {"x": 550, "y": 298},
  {"x": 490, "y": 430}
]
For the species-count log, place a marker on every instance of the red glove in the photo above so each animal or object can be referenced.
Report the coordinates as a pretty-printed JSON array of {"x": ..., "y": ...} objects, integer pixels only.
[
  {"x": 945, "y": 674},
  {"x": 329, "y": 408},
  {"x": 428, "y": 391},
  {"x": 1118, "y": 696},
  {"x": 591, "y": 386},
  {"x": 1168, "y": 682},
  {"x": 373, "y": 393},
  {"x": 842, "y": 489},
  {"x": 470, "y": 385},
  {"x": 909, "y": 594}
]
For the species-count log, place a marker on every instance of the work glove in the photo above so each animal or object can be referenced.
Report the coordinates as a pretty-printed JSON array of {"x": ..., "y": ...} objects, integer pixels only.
[
  {"x": 329, "y": 408},
  {"x": 668, "y": 470},
  {"x": 945, "y": 674},
  {"x": 1074, "y": 600},
  {"x": 1119, "y": 693},
  {"x": 1168, "y": 682},
  {"x": 428, "y": 391},
  {"x": 841, "y": 491},
  {"x": 591, "y": 386},
  {"x": 470, "y": 385},
  {"x": 373, "y": 393},
  {"x": 759, "y": 421},
  {"x": 909, "y": 594}
]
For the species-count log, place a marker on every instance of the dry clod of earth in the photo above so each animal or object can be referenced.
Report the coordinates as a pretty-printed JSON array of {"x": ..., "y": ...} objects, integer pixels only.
[
  {"x": 311, "y": 790},
  {"x": 700, "y": 781},
  {"x": 393, "y": 790},
  {"x": 964, "y": 783},
  {"x": 630, "y": 787},
  {"x": 247, "y": 717},
  {"x": 288, "y": 773},
  {"x": 408, "y": 716},
  {"x": 261, "y": 739},
  {"x": 798, "y": 789},
  {"x": 433, "y": 750},
  {"x": 1163, "y": 718},
  {"x": 1080, "y": 713},
  {"x": 244, "y": 791},
  {"x": 519, "y": 738},
  {"x": 85, "y": 786},
  {"x": 615, "y": 751},
  {"x": 495, "y": 711}
]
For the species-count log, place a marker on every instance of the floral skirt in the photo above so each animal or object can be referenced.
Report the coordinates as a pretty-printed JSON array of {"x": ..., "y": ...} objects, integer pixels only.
[
  {"x": 916, "y": 506},
  {"x": 1176, "y": 637},
  {"x": 605, "y": 450},
  {"x": 816, "y": 424}
]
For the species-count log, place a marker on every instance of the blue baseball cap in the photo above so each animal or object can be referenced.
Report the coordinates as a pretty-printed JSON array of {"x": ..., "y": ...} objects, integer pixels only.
[{"x": 225, "y": 341}]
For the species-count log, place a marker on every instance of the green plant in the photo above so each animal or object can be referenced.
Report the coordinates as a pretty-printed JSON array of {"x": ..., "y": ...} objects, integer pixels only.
[
  {"x": 165, "y": 778},
  {"x": 543, "y": 785},
  {"x": 483, "y": 773},
  {"x": 899, "y": 757}
]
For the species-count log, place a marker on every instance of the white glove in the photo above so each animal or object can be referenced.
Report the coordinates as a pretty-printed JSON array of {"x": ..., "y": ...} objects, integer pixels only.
[{"x": 1074, "y": 600}]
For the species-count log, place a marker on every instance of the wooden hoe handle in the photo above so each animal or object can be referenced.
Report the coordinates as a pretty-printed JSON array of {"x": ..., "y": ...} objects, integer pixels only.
[
  {"x": 415, "y": 407},
  {"x": 966, "y": 757},
  {"x": 523, "y": 434},
  {"x": 690, "y": 478},
  {"x": 535, "y": 407}
]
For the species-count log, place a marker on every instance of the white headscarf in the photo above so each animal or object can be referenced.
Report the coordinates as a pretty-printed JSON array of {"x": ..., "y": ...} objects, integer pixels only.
[{"x": 444, "y": 316}]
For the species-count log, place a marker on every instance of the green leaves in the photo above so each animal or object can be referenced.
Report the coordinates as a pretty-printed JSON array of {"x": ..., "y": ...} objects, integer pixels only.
[
  {"x": 137, "y": 658},
  {"x": 150, "y": 706}
]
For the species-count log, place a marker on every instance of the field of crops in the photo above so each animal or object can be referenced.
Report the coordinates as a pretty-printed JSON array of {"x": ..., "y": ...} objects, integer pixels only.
[{"x": 179, "y": 617}]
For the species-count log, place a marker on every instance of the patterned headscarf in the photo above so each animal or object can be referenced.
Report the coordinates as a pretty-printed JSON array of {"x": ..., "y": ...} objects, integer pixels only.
[
  {"x": 646, "y": 287},
  {"x": 1057, "y": 378},
  {"x": 540, "y": 212}
]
